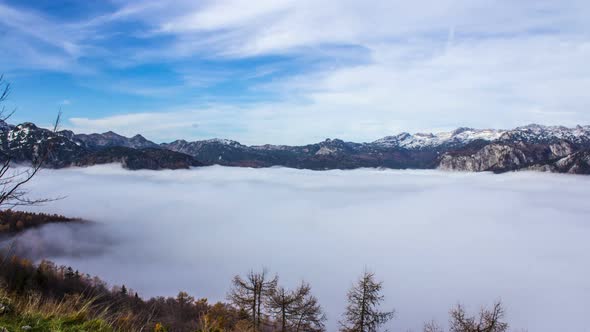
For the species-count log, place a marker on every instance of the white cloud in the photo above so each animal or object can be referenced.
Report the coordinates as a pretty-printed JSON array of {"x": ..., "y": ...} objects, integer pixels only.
[
  {"x": 38, "y": 27},
  {"x": 160, "y": 126},
  {"x": 243, "y": 28},
  {"x": 521, "y": 237},
  {"x": 415, "y": 86},
  {"x": 425, "y": 65},
  {"x": 33, "y": 41}
]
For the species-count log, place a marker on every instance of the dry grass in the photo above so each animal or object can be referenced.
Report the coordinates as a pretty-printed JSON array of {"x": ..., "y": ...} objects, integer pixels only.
[{"x": 73, "y": 313}]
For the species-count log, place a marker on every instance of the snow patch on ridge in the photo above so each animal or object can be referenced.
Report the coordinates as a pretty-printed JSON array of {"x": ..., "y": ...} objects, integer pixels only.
[
  {"x": 532, "y": 132},
  {"x": 426, "y": 140}
]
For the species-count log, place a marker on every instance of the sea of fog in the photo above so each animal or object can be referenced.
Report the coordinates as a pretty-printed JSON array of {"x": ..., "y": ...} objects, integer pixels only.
[{"x": 436, "y": 239}]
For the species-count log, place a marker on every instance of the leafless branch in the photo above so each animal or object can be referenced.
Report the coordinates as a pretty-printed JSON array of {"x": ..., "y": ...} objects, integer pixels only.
[
  {"x": 489, "y": 320},
  {"x": 4, "y": 92},
  {"x": 12, "y": 193}
]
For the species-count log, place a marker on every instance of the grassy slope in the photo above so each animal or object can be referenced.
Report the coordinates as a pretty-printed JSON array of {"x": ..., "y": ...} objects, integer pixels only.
[
  {"x": 43, "y": 323},
  {"x": 42, "y": 315}
]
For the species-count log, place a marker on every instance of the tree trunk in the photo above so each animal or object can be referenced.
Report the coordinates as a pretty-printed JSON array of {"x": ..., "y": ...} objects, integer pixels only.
[
  {"x": 254, "y": 309},
  {"x": 362, "y": 320},
  {"x": 259, "y": 302},
  {"x": 284, "y": 325}
]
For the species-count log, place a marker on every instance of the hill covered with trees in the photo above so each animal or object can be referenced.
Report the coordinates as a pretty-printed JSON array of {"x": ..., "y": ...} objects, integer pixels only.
[
  {"x": 47, "y": 297},
  {"x": 16, "y": 221}
]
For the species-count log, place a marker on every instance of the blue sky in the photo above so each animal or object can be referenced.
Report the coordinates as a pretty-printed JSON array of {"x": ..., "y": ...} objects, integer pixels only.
[{"x": 292, "y": 72}]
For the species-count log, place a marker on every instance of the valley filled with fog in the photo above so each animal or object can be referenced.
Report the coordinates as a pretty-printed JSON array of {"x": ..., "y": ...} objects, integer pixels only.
[{"x": 436, "y": 239}]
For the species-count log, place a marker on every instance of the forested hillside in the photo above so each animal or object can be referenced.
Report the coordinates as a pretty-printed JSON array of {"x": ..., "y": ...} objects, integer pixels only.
[
  {"x": 16, "y": 221},
  {"x": 47, "y": 297}
]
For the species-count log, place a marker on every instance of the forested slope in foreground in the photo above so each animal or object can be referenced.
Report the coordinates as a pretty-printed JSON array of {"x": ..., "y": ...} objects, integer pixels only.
[{"x": 46, "y": 297}]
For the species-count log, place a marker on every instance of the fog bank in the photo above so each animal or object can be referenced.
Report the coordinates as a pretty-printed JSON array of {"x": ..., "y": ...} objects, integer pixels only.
[{"x": 434, "y": 238}]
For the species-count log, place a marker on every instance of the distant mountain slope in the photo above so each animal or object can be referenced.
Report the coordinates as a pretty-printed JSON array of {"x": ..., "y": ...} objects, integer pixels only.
[
  {"x": 549, "y": 148},
  {"x": 108, "y": 139},
  {"x": 464, "y": 149},
  {"x": 27, "y": 142},
  {"x": 130, "y": 158},
  {"x": 575, "y": 163}
]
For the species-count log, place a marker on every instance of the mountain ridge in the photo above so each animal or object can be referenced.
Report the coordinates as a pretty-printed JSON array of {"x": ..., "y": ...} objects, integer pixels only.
[{"x": 531, "y": 147}]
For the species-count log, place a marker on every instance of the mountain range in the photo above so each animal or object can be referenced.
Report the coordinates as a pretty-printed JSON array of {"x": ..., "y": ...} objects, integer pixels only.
[{"x": 533, "y": 147}]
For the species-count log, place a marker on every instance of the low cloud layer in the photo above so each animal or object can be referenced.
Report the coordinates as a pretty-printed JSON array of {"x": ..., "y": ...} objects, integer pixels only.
[{"x": 435, "y": 239}]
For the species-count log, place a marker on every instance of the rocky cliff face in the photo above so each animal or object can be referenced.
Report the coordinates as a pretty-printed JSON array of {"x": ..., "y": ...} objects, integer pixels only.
[
  {"x": 575, "y": 163},
  {"x": 504, "y": 156}
]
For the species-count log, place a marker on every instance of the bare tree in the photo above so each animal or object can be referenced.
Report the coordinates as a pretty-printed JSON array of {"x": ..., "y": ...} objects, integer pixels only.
[
  {"x": 432, "y": 326},
  {"x": 309, "y": 315},
  {"x": 4, "y": 92},
  {"x": 281, "y": 303},
  {"x": 362, "y": 313},
  {"x": 248, "y": 293},
  {"x": 489, "y": 320},
  {"x": 12, "y": 180},
  {"x": 296, "y": 310}
]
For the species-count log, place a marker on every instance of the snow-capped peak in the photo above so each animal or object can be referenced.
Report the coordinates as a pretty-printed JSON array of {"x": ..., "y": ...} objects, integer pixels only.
[
  {"x": 222, "y": 141},
  {"x": 535, "y": 132},
  {"x": 529, "y": 133},
  {"x": 426, "y": 140}
]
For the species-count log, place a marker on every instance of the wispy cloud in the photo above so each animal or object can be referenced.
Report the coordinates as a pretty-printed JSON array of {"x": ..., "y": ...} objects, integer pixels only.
[
  {"x": 502, "y": 83},
  {"x": 243, "y": 28},
  {"x": 31, "y": 39},
  {"x": 361, "y": 70}
]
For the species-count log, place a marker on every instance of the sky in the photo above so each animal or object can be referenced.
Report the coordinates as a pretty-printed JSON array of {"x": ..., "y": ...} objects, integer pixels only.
[
  {"x": 521, "y": 237},
  {"x": 295, "y": 71}
]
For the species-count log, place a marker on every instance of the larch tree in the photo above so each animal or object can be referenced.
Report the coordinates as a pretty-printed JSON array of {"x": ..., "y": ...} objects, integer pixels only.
[
  {"x": 281, "y": 303},
  {"x": 432, "y": 326},
  {"x": 296, "y": 310},
  {"x": 185, "y": 302},
  {"x": 308, "y": 314},
  {"x": 488, "y": 320},
  {"x": 247, "y": 294},
  {"x": 362, "y": 312}
]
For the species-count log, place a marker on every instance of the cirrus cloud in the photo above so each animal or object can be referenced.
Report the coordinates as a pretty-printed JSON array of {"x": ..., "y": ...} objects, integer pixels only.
[{"x": 360, "y": 70}]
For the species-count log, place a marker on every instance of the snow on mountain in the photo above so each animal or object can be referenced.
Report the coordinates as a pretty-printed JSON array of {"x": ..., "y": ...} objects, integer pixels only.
[
  {"x": 492, "y": 150},
  {"x": 222, "y": 141},
  {"x": 462, "y": 136},
  {"x": 429, "y": 140},
  {"x": 113, "y": 139},
  {"x": 544, "y": 134},
  {"x": 270, "y": 147}
]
